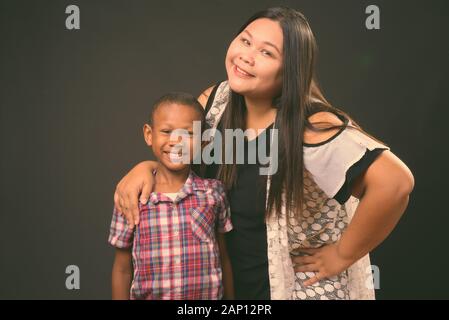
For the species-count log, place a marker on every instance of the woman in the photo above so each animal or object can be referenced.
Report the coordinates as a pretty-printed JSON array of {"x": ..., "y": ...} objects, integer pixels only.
[{"x": 305, "y": 231}]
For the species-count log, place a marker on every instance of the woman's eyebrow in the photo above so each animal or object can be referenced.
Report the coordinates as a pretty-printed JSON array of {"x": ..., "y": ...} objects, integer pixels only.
[{"x": 265, "y": 42}]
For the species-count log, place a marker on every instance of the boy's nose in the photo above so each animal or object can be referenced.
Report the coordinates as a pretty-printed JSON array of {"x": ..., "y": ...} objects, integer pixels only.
[{"x": 174, "y": 142}]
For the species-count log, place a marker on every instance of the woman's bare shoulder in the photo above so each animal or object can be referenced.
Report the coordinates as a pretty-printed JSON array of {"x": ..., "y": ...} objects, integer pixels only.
[
  {"x": 322, "y": 119},
  {"x": 204, "y": 96}
]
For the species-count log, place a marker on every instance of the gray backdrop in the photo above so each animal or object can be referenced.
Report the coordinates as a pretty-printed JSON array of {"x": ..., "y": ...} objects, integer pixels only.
[{"x": 73, "y": 103}]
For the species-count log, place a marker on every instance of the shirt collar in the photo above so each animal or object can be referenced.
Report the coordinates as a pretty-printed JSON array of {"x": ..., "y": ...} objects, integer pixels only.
[{"x": 192, "y": 184}]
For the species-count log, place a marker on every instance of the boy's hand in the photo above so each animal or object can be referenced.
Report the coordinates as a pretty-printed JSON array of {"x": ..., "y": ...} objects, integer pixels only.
[
  {"x": 325, "y": 262},
  {"x": 139, "y": 180}
]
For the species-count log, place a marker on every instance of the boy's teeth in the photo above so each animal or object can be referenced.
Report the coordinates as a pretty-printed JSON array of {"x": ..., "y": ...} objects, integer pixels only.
[{"x": 175, "y": 156}]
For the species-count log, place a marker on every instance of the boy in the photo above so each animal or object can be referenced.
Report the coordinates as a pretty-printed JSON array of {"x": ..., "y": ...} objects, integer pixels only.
[{"x": 174, "y": 252}]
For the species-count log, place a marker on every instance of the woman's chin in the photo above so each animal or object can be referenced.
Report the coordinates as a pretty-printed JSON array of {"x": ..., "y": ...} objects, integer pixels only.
[{"x": 239, "y": 86}]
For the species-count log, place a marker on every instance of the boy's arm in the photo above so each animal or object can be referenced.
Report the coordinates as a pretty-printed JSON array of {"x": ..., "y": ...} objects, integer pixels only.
[
  {"x": 228, "y": 281},
  {"x": 122, "y": 274}
]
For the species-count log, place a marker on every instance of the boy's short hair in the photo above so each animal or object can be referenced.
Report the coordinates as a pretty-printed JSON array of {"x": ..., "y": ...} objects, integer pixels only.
[{"x": 182, "y": 98}]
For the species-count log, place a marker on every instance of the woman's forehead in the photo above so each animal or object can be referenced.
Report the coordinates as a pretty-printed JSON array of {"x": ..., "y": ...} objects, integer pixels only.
[{"x": 265, "y": 29}]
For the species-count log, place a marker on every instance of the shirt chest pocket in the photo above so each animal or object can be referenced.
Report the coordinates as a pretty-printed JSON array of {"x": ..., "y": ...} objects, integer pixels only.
[{"x": 202, "y": 222}]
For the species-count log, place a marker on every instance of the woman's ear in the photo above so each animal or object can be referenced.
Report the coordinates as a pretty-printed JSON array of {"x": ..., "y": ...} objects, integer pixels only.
[{"x": 148, "y": 134}]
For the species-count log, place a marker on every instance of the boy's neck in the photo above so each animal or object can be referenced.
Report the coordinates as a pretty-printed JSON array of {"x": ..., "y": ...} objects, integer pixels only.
[{"x": 170, "y": 181}]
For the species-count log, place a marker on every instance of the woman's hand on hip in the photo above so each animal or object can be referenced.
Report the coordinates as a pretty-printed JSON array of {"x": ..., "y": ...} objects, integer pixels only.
[
  {"x": 326, "y": 262},
  {"x": 138, "y": 181}
]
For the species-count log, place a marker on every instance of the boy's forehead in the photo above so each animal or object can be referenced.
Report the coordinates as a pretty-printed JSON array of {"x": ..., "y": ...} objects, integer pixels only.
[{"x": 169, "y": 111}]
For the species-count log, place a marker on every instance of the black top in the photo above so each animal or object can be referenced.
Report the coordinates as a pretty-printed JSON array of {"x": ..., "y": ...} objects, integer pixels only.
[{"x": 247, "y": 242}]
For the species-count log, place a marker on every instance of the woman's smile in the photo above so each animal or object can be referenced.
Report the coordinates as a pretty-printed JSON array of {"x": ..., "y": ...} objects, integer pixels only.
[{"x": 241, "y": 73}]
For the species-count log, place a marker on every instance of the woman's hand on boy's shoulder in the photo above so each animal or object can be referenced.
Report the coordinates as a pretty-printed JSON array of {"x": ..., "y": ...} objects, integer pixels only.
[{"x": 139, "y": 180}]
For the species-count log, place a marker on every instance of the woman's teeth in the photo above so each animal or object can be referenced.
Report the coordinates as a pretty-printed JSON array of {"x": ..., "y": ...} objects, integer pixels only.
[{"x": 243, "y": 72}]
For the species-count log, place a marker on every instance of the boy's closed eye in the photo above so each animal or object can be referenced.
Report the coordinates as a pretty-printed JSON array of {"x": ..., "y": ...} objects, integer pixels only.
[{"x": 184, "y": 133}]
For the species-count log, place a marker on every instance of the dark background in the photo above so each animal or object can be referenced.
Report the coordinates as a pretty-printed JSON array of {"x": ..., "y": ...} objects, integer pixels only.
[{"x": 73, "y": 103}]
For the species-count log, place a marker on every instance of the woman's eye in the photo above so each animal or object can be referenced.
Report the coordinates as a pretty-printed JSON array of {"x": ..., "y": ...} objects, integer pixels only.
[
  {"x": 267, "y": 53},
  {"x": 245, "y": 41}
]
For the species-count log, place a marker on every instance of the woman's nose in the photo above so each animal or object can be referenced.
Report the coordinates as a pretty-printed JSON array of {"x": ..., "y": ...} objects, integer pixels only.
[{"x": 247, "y": 59}]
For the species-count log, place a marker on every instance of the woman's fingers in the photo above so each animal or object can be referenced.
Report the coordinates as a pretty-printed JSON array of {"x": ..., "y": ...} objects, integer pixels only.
[
  {"x": 306, "y": 268},
  {"x": 121, "y": 204},
  {"x": 318, "y": 276},
  {"x": 127, "y": 213},
  {"x": 117, "y": 205},
  {"x": 124, "y": 204},
  {"x": 128, "y": 209},
  {"x": 134, "y": 208},
  {"x": 146, "y": 190},
  {"x": 126, "y": 198},
  {"x": 302, "y": 260},
  {"x": 309, "y": 251}
]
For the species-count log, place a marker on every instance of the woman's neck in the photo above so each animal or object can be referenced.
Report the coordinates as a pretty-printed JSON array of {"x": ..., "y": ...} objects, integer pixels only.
[{"x": 260, "y": 112}]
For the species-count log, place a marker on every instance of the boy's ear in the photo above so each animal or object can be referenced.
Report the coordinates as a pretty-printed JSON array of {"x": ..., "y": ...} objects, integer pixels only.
[{"x": 148, "y": 134}]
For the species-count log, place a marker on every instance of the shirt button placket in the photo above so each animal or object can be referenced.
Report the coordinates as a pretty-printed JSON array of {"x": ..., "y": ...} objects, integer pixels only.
[{"x": 177, "y": 255}]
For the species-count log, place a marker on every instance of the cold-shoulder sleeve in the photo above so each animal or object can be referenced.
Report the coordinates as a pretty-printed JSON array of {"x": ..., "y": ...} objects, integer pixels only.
[{"x": 336, "y": 163}]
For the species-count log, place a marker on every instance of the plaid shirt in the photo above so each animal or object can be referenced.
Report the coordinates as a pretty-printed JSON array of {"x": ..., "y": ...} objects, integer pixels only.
[{"x": 174, "y": 248}]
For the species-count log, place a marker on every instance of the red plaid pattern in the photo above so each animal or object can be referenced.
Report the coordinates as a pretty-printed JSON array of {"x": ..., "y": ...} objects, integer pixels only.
[{"x": 175, "y": 252}]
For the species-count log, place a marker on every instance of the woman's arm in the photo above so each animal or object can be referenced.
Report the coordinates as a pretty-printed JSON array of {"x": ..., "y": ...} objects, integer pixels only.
[
  {"x": 139, "y": 181},
  {"x": 384, "y": 191},
  {"x": 122, "y": 274},
  {"x": 228, "y": 281}
]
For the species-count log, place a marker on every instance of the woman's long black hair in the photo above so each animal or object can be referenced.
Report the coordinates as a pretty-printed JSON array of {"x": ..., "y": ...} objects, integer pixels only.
[{"x": 300, "y": 97}]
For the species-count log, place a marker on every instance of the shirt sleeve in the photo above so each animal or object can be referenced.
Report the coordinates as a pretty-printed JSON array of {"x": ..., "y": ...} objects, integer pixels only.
[
  {"x": 223, "y": 210},
  {"x": 120, "y": 235},
  {"x": 336, "y": 164}
]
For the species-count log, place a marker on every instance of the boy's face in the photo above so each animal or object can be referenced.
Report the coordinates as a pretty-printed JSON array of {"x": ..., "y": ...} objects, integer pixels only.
[{"x": 166, "y": 119}]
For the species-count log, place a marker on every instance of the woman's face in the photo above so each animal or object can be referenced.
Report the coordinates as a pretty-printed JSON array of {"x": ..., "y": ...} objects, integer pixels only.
[{"x": 254, "y": 60}]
